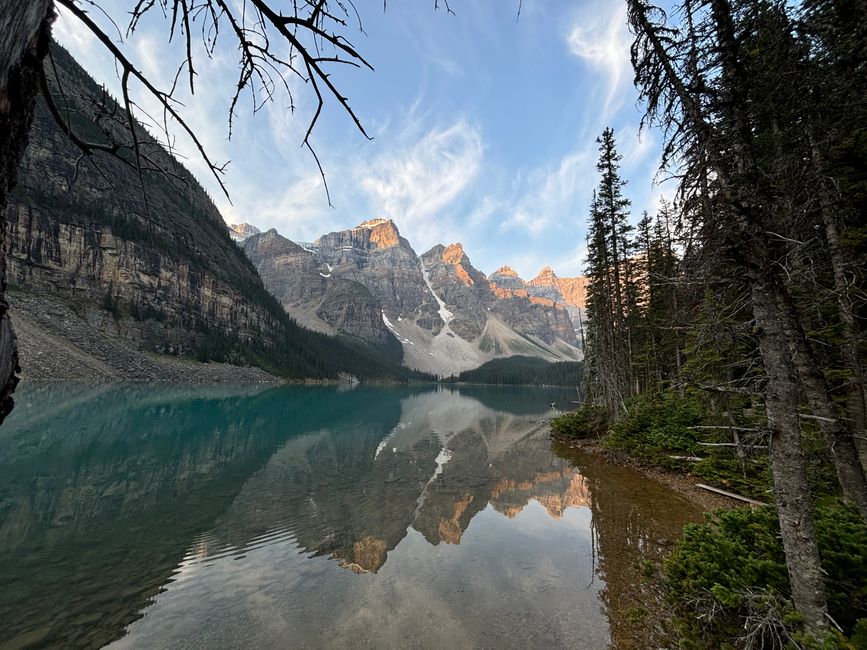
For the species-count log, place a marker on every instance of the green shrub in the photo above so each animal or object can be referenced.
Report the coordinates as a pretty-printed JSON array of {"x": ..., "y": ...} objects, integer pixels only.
[
  {"x": 658, "y": 425},
  {"x": 727, "y": 578},
  {"x": 750, "y": 476},
  {"x": 587, "y": 421}
]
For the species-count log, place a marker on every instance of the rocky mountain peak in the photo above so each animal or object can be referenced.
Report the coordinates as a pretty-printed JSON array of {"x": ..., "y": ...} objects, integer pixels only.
[
  {"x": 373, "y": 223},
  {"x": 505, "y": 272},
  {"x": 454, "y": 254},
  {"x": 240, "y": 231},
  {"x": 368, "y": 282},
  {"x": 383, "y": 232},
  {"x": 505, "y": 283},
  {"x": 545, "y": 278},
  {"x": 270, "y": 242}
]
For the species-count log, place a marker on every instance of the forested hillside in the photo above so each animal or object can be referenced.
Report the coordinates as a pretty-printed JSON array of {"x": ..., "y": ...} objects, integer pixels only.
[{"x": 725, "y": 333}]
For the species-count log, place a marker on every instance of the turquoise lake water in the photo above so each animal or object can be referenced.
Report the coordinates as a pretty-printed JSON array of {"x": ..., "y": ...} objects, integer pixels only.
[{"x": 167, "y": 516}]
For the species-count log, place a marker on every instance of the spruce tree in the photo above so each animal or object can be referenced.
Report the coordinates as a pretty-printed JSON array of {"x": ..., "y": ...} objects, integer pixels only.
[{"x": 612, "y": 301}]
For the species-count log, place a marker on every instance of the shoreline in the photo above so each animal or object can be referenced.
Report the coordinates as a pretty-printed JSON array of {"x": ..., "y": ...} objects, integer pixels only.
[{"x": 682, "y": 484}]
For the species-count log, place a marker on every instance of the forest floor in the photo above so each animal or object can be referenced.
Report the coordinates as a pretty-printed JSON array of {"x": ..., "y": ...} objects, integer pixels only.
[{"x": 56, "y": 343}]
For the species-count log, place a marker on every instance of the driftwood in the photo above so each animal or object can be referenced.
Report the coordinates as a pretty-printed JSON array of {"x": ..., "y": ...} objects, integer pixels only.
[
  {"x": 732, "y": 495},
  {"x": 729, "y": 389},
  {"x": 691, "y": 459}
]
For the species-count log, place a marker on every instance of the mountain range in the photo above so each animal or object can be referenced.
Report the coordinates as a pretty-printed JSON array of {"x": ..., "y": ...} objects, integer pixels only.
[{"x": 369, "y": 282}]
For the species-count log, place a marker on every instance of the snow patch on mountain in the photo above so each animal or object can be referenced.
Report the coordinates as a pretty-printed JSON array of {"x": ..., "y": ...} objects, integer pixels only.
[{"x": 443, "y": 311}]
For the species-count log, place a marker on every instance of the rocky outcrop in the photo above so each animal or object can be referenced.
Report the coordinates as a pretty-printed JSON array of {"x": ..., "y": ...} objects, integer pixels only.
[
  {"x": 369, "y": 282},
  {"x": 545, "y": 289},
  {"x": 572, "y": 291},
  {"x": 506, "y": 278},
  {"x": 349, "y": 307},
  {"x": 541, "y": 318},
  {"x": 382, "y": 274},
  {"x": 289, "y": 271},
  {"x": 464, "y": 289},
  {"x": 471, "y": 297},
  {"x": 145, "y": 261}
]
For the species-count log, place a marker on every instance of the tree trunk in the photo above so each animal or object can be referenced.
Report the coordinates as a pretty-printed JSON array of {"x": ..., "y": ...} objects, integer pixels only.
[
  {"x": 837, "y": 436},
  {"x": 25, "y": 29},
  {"x": 856, "y": 392},
  {"x": 788, "y": 465}
]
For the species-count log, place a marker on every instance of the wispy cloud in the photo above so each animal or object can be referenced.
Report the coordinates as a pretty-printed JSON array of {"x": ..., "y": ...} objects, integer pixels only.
[
  {"x": 415, "y": 183},
  {"x": 547, "y": 194},
  {"x": 599, "y": 36},
  {"x": 483, "y": 128}
]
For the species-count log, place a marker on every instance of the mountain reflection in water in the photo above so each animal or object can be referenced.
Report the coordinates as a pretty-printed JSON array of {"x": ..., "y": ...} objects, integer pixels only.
[{"x": 161, "y": 516}]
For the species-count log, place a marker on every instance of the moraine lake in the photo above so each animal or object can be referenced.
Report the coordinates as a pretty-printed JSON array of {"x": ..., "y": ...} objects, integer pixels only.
[{"x": 169, "y": 516}]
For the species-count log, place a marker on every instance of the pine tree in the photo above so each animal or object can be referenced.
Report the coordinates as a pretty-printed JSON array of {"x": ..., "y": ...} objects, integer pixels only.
[
  {"x": 599, "y": 310},
  {"x": 612, "y": 306}
]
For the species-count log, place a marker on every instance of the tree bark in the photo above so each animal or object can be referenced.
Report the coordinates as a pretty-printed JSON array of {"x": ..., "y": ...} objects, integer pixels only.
[
  {"x": 25, "y": 30},
  {"x": 837, "y": 436},
  {"x": 788, "y": 465},
  {"x": 783, "y": 389},
  {"x": 856, "y": 393}
]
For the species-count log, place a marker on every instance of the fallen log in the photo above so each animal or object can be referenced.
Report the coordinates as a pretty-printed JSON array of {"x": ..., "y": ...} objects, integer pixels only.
[
  {"x": 730, "y": 444},
  {"x": 725, "y": 428},
  {"x": 732, "y": 495}
]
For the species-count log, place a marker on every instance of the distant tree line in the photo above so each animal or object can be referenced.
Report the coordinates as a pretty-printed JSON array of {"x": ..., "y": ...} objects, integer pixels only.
[{"x": 522, "y": 371}]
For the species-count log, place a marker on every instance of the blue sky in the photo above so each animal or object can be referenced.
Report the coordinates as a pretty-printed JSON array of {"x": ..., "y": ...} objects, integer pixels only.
[{"x": 484, "y": 127}]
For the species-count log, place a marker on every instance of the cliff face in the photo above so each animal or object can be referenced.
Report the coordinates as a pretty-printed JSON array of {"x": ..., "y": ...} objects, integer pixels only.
[
  {"x": 473, "y": 296},
  {"x": 81, "y": 230},
  {"x": 463, "y": 289},
  {"x": 506, "y": 278},
  {"x": 351, "y": 308},
  {"x": 376, "y": 256},
  {"x": 289, "y": 271},
  {"x": 164, "y": 299},
  {"x": 240, "y": 231},
  {"x": 572, "y": 291}
]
